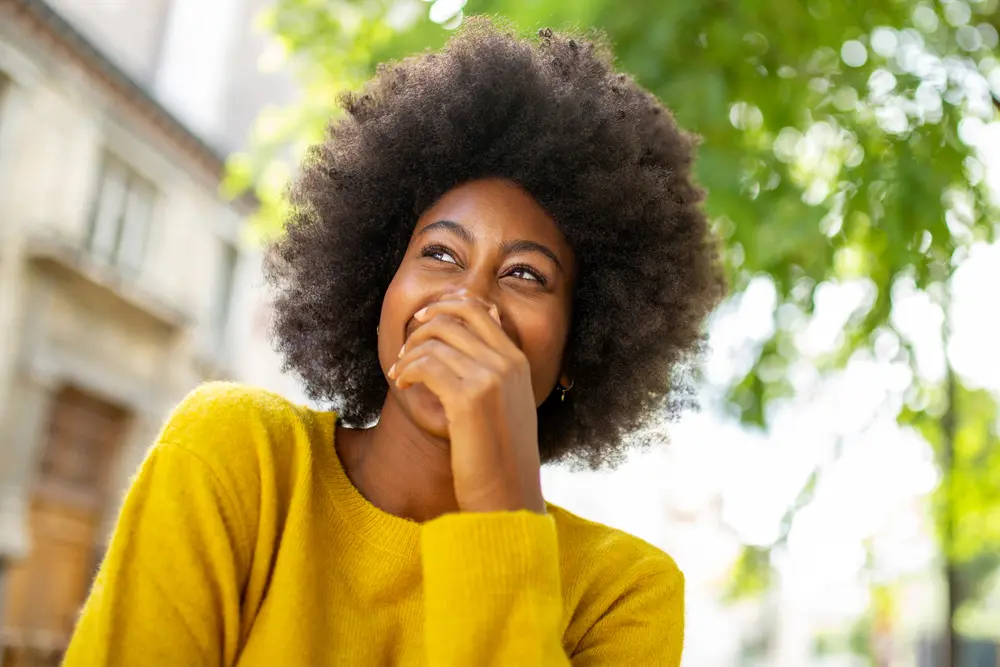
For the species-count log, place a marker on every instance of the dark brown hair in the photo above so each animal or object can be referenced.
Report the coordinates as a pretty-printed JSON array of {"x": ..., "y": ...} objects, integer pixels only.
[{"x": 598, "y": 152}]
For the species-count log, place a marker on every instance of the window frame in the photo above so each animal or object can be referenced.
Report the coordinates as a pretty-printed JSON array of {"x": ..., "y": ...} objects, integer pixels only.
[{"x": 117, "y": 234}]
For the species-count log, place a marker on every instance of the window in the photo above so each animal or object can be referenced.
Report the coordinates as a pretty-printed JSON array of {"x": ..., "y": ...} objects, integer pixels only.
[
  {"x": 121, "y": 215},
  {"x": 5, "y": 85},
  {"x": 228, "y": 259}
]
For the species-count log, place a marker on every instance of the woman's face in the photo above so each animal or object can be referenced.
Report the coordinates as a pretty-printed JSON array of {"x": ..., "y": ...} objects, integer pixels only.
[{"x": 486, "y": 239}]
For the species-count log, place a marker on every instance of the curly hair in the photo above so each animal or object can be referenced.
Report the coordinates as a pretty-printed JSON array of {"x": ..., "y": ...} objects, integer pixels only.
[{"x": 601, "y": 155}]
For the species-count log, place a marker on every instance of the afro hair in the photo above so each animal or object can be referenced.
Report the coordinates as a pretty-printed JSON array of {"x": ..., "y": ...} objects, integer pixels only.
[{"x": 600, "y": 154}]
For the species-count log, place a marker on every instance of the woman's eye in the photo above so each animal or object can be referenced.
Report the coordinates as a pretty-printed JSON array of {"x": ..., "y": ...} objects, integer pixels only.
[
  {"x": 440, "y": 254},
  {"x": 444, "y": 257},
  {"x": 525, "y": 273}
]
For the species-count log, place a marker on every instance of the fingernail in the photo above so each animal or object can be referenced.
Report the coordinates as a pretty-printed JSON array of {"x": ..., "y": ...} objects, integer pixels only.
[
  {"x": 420, "y": 314},
  {"x": 495, "y": 313},
  {"x": 402, "y": 351},
  {"x": 392, "y": 370}
]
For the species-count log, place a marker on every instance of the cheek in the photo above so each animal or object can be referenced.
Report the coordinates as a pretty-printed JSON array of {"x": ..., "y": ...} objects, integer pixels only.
[
  {"x": 408, "y": 291},
  {"x": 543, "y": 340},
  {"x": 397, "y": 304},
  {"x": 396, "y": 310}
]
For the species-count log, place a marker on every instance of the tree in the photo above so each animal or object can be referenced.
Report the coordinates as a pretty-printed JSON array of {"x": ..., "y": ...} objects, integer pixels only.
[{"x": 840, "y": 143}]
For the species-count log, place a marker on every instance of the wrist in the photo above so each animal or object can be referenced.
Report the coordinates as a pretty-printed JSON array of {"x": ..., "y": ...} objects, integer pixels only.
[{"x": 533, "y": 502}]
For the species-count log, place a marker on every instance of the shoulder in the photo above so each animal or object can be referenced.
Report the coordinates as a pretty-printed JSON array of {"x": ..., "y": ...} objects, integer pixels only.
[
  {"x": 228, "y": 405},
  {"x": 584, "y": 539},
  {"x": 600, "y": 564},
  {"x": 244, "y": 432},
  {"x": 226, "y": 414},
  {"x": 624, "y": 597}
]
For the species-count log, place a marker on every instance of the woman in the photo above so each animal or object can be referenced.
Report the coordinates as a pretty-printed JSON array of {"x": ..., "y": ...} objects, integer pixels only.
[{"x": 496, "y": 260}]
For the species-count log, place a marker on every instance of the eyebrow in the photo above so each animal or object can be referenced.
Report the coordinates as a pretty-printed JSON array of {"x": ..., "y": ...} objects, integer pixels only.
[
  {"x": 451, "y": 226},
  {"x": 509, "y": 247}
]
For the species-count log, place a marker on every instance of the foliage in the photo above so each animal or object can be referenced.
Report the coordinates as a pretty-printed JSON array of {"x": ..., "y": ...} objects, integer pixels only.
[
  {"x": 751, "y": 574},
  {"x": 972, "y": 495}
]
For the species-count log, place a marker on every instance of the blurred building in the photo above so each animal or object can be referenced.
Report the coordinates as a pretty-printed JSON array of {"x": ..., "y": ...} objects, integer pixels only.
[{"x": 124, "y": 281}]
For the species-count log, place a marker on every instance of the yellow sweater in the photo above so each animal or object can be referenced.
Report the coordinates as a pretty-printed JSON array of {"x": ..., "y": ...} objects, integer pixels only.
[{"x": 243, "y": 542}]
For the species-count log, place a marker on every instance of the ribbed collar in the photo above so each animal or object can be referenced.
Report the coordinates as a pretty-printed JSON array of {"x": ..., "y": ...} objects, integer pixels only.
[{"x": 377, "y": 527}]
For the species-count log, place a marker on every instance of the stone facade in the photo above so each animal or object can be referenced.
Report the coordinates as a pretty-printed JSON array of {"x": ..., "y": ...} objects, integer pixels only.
[{"x": 124, "y": 279}]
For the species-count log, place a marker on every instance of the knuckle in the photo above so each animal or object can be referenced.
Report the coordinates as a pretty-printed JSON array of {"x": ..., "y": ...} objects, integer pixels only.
[
  {"x": 418, "y": 364},
  {"x": 425, "y": 347},
  {"x": 523, "y": 365},
  {"x": 514, "y": 364},
  {"x": 485, "y": 384},
  {"x": 437, "y": 323},
  {"x": 474, "y": 394},
  {"x": 430, "y": 345}
]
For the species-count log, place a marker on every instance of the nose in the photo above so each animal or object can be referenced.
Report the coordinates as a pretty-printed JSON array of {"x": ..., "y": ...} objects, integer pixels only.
[
  {"x": 491, "y": 304},
  {"x": 474, "y": 289},
  {"x": 464, "y": 293},
  {"x": 477, "y": 281}
]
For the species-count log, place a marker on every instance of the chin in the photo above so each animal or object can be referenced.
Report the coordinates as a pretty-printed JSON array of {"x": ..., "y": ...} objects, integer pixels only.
[{"x": 426, "y": 411}]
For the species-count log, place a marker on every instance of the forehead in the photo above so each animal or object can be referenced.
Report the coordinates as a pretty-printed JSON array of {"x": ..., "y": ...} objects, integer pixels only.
[{"x": 495, "y": 208}]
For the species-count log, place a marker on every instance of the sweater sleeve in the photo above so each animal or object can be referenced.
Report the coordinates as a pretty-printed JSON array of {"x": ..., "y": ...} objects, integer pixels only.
[
  {"x": 492, "y": 596},
  {"x": 168, "y": 590}
]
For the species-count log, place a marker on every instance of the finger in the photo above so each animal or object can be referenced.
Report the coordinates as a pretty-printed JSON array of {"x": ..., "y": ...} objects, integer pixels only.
[
  {"x": 432, "y": 372},
  {"x": 464, "y": 295},
  {"x": 476, "y": 315},
  {"x": 450, "y": 330},
  {"x": 462, "y": 298},
  {"x": 462, "y": 365}
]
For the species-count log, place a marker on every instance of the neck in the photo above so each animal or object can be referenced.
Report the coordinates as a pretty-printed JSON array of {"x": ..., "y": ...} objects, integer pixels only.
[{"x": 398, "y": 467}]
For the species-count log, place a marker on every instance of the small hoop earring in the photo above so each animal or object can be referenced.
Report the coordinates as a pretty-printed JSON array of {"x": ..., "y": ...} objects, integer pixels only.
[
  {"x": 376, "y": 329},
  {"x": 565, "y": 389}
]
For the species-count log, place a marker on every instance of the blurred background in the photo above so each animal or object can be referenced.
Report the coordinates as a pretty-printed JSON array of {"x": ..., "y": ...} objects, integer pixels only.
[{"x": 836, "y": 501}]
